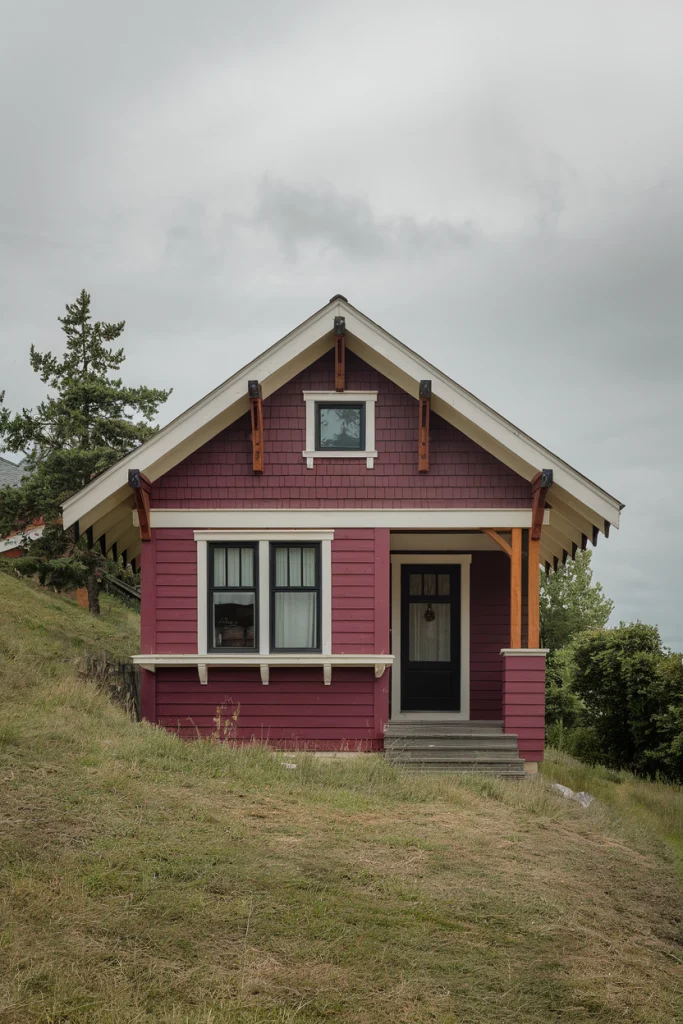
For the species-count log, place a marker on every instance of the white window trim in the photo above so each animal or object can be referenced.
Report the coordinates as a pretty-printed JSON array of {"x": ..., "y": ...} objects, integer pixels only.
[
  {"x": 464, "y": 561},
  {"x": 369, "y": 398},
  {"x": 263, "y": 538}
]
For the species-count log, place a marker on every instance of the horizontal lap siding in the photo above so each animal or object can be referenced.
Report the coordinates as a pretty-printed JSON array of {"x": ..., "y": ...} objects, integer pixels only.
[
  {"x": 353, "y": 592},
  {"x": 295, "y": 710},
  {"x": 220, "y": 475},
  {"x": 489, "y": 632},
  {"x": 176, "y": 591},
  {"x": 524, "y": 703}
]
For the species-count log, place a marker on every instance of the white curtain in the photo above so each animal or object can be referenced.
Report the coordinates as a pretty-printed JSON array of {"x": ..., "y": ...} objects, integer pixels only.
[
  {"x": 296, "y": 619},
  {"x": 429, "y": 640},
  {"x": 295, "y": 567},
  {"x": 226, "y": 567}
]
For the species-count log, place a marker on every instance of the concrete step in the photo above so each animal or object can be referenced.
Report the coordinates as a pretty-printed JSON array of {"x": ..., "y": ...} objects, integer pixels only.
[
  {"x": 450, "y": 742},
  {"x": 407, "y": 728},
  {"x": 455, "y": 757},
  {"x": 480, "y": 769}
]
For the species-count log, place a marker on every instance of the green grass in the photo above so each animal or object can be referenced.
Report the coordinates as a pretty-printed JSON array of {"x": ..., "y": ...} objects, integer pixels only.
[{"x": 144, "y": 879}]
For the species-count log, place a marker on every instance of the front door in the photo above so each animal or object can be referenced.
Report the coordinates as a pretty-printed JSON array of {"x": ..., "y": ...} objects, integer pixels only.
[{"x": 430, "y": 638}]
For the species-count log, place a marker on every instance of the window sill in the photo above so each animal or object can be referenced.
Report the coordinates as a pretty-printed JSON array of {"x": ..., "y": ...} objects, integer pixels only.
[
  {"x": 311, "y": 456},
  {"x": 203, "y": 662}
]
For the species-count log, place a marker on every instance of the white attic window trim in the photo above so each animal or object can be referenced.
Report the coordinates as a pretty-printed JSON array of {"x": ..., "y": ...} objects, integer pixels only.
[{"x": 366, "y": 398}]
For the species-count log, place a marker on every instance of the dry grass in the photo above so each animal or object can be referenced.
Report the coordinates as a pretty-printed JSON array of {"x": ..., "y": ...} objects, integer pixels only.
[{"x": 144, "y": 879}]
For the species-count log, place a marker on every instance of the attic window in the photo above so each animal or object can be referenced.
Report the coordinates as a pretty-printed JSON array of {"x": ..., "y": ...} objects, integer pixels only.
[{"x": 340, "y": 425}]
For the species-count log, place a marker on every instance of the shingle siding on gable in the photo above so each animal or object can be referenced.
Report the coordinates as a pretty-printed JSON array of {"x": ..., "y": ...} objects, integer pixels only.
[{"x": 462, "y": 474}]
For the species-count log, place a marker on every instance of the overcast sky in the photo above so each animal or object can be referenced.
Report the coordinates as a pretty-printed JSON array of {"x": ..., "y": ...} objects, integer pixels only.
[{"x": 498, "y": 184}]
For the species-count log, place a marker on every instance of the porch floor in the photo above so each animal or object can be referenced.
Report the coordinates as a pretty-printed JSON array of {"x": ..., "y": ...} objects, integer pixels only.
[{"x": 453, "y": 747}]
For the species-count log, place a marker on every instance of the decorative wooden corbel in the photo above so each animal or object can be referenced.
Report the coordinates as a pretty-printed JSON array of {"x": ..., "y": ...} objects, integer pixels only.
[
  {"x": 142, "y": 488},
  {"x": 339, "y": 353},
  {"x": 423, "y": 426},
  {"x": 264, "y": 668},
  {"x": 327, "y": 674},
  {"x": 540, "y": 485},
  {"x": 256, "y": 405}
]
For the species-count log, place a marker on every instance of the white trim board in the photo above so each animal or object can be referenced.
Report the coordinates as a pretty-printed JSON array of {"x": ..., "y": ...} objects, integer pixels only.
[
  {"x": 464, "y": 561},
  {"x": 263, "y": 538},
  {"x": 367, "y": 398},
  {"x": 291, "y": 354},
  {"x": 378, "y": 662},
  {"x": 248, "y": 519}
]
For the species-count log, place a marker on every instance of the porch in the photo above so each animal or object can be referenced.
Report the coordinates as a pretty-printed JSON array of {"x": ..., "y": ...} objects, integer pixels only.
[{"x": 468, "y": 677}]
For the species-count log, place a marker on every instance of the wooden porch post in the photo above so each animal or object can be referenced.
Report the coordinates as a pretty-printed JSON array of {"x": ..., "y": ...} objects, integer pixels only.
[
  {"x": 534, "y": 613},
  {"x": 516, "y": 589}
]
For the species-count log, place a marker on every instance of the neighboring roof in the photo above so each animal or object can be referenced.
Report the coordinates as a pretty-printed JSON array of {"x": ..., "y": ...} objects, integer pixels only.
[
  {"x": 579, "y": 506},
  {"x": 10, "y": 473}
]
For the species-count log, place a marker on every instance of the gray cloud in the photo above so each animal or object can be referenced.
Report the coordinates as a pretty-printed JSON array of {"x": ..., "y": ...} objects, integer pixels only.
[{"x": 501, "y": 186}]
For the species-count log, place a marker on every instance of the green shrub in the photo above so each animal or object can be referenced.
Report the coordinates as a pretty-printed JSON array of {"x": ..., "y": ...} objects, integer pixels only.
[{"x": 631, "y": 692}]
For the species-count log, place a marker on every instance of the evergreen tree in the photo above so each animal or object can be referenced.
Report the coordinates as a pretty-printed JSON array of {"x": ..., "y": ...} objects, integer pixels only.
[
  {"x": 571, "y": 602},
  {"x": 87, "y": 422}
]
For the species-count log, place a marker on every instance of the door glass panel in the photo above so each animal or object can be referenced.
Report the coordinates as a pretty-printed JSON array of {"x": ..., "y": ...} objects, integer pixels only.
[
  {"x": 416, "y": 584},
  {"x": 429, "y": 584},
  {"x": 444, "y": 584},
  {"x": 429, "y": 629}
]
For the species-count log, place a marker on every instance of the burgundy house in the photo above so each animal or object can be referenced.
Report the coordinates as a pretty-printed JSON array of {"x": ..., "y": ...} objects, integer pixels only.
[{"x": 340, "y": 549}]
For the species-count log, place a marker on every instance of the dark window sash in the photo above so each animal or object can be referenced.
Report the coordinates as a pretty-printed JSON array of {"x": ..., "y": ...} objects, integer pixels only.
[
  {"x": 280, "y": 589},
  {"x": 213, "y": 588}
]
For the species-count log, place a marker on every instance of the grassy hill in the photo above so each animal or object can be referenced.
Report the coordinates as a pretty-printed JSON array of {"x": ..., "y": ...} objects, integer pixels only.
[{"x": 143, "y": 879}]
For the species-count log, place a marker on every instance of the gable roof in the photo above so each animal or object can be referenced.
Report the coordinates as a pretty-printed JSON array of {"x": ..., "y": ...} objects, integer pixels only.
[{"x": 579, "y": 506}]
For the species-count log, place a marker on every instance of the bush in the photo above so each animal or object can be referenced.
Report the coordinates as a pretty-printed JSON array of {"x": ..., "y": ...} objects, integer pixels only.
[{"x": 631, "y": 692}]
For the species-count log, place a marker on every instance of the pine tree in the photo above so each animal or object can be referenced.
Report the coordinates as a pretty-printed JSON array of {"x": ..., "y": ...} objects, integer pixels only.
[
  {"x": 87, "y": 422},
  {"x": 571, "y": 602}
]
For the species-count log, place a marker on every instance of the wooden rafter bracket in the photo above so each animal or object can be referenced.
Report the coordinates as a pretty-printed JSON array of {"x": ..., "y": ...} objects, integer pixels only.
[
  {"x": 142, "y": 488},
  {"x": 256, "y": 407},
  {"x": 540, "y": 485},
  {"x": 339, "y": 353},
  {"x": 424, "y": 411}
]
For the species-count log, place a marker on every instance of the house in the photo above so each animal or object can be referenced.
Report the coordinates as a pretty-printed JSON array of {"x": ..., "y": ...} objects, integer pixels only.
[
  {"x": 340, "y": 548},
  {"x": 14, "y": 546}
]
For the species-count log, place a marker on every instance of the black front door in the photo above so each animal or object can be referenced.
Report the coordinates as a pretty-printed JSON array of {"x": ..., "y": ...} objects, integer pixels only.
[{"x": 430, "y": 638}]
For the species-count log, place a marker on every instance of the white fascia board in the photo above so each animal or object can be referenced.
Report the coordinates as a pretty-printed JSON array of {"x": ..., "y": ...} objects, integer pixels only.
[
  {"x": 481, "y": 415},
  {"x": 250, "y": 520},
  {"x": 211, "y": 414}
]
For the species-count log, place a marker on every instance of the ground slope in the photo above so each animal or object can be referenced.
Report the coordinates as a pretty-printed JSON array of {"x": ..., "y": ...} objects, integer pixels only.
[{"x": 144, "y": 879}]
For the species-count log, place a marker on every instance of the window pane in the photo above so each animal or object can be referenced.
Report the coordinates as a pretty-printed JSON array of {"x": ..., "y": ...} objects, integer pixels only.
[
  {"x": 308, "y": 572},
  {"x": 340, "y": 426},
  {"x": 233, "y": 567},
  {"x": 234, "y": 619},
  {"x": 429, "y": 584},
  {"x": 281, "y": 573},
  {"x": 295, "y": 567},
  {"x": 219, "y": 567},
  {"x": 429, "y": 632},
  {"x": 296, "y": 620},
  {"x": 444, "y": 584},
  {"x": 247, "y": 567},
  {"x": 416, "y": 583}
]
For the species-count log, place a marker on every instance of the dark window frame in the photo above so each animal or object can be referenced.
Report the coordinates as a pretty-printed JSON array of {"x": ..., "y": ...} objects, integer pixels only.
[
  {"x": 212, "y": 589},
  {"x": 361, "y": 406},
  {"x": 317, "y": 589}
]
